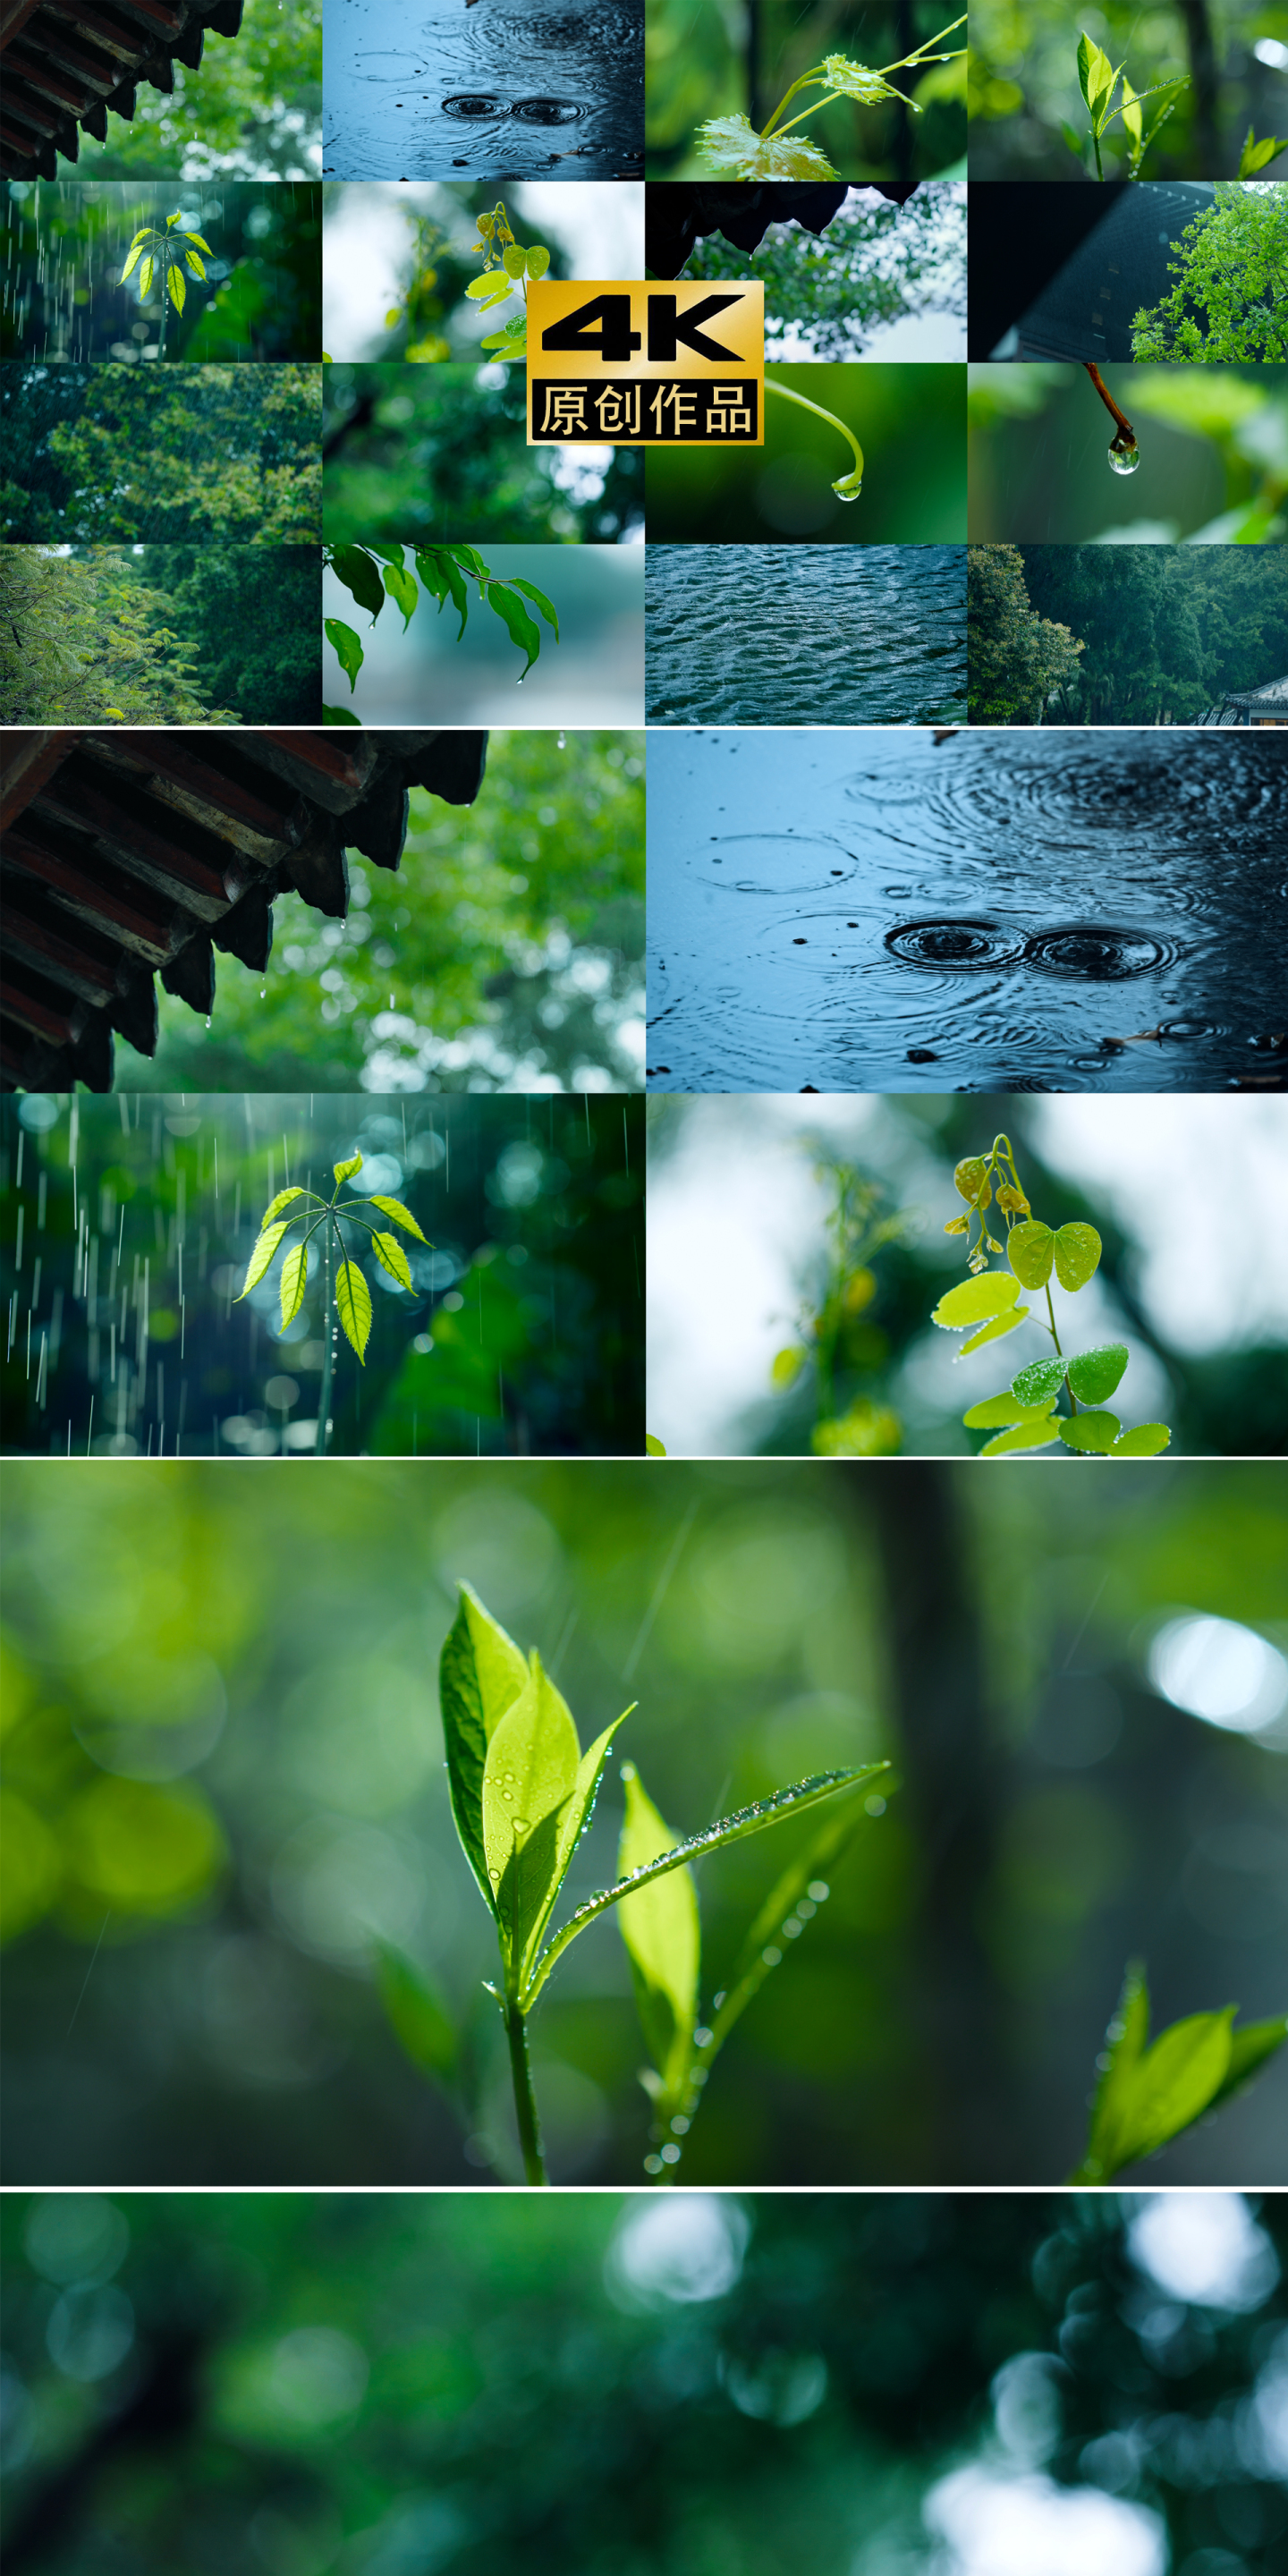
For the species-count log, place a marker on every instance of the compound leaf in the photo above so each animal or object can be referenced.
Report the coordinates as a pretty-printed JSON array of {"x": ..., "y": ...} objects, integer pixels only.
[{"x": 1042, "y": 1379}]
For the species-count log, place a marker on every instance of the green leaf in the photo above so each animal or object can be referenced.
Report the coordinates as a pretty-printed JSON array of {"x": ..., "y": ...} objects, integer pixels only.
[
  {"x": 1173, "y": 2084},
  {"x": 1144, "y": 1442},
  {"x": 1030, "y": 1248},
  {"x": 389, "y": 1253},
  {"x": 401, "y": 586},
  {"x": 354, "y": 567},
  {"x": 663, "y": 1935},
  {"x": 481, "y": 1673},
  {"x": 262, "y": 1255},
  {"x": 1040, "y": 1382},
  {"x": 414, "y": 2013},
  {"x": 349, "y": 648},
  {"x": 1095, "y": 72},
  {"x": 401, "y": 1215},
  {"x": 173, "y": 219},
  {"x": 1037, "y": 1431},
  {"x": 145, "y": 278},
  {"x": 353, "y": 1305},
  {"x": 282, "y": 1200},
  {"x": 1093, "y": 1375},
  {"x": 570, "y": 1827},
  {"x": 387, "y": 554},
  {"x": 515, "y": 618},
  {"x": 339, "y": 715},
  {"x": 1092, "y": 1433},
  {"x": 177, "y": 289},
  {"x": 973, "y": 1300},
  {"x": 993, "y": 1331},
  {"x": 201, "y": 245},
  {"x": 545, "y": 606},
  {"x": 470, "y": 558},
  {"x": 760, "y": 1951},
  {"x": 345, "y": 1171},
  {"x": 730, "y": 1829},
  {"x": 653, "y": 1448},
  {"x": 1077, "y": 1255},
  {"x": 514, "y": 261},
  {"x": 1125, "y": 2046},
  {"x": 538, "y": 259},
  {"x": 786, "y": 1366},
  {"x": 1073, "y": 140},
  {"x": 1255, "y": 156},
  {"x": 295, "y": 1272},
  {"x": 441, "y": 576},
  {"x": 528, "y": 1778},
  {"x": 1249, "y": 2049},
  {"x": 194, "y": 263},
  {"x": 998, "y": 1409},
  {"x": 136, "y": 254},
  {"x": 491, "y": 288}
]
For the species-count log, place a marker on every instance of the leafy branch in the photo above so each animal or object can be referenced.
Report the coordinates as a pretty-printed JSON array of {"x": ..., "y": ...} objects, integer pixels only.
[
  {"x": 352, "y": 1295},
  {"x": 507, "y": 265},
  {"x": 1097, "y": 79},
  {"x": 1147, "y": 2094},
  {"x": 732, "y": 147},
  {"x": 523, "y": 1794},
  {"x": 1025, "y": 1417},
  {"x": 163, "y": 256},
  {"x": 445, "y": 572}
]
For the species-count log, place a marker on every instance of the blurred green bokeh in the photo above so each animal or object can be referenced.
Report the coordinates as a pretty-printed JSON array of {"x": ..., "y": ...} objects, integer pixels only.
[
  {"x": 1213, "y": 456},
  {"x": 687, "y": 2386},
  {"x": 224, "y": 1751},
  {"x": 441, "y": 451},
  {"x": 908, "y": 422}
]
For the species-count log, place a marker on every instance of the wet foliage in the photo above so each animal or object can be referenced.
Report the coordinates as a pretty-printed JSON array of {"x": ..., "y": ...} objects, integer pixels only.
[
  {"x": 114, "y": 452},
  {"x": 64, "y": 244},
  {"x": 1026, "y": 119},
  {"x": 1151, "y": 635}
]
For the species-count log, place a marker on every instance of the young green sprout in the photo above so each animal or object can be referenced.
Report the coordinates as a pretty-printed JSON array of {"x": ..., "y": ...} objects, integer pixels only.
[
  {"x": 1147, "y": 2094},
  {"x": 352, "y": 1295},
  {"x": 1098, "y": 80},
  {"x": 523, "y": 1794},
  {"x": 731, "y": 146},
  {"x": 848, "y": 486}
]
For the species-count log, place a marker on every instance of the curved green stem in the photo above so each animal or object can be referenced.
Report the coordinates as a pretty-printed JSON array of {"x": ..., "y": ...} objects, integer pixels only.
[
  {"x": 847, "y": 486},
  {"x": 525, "y": 2100}
]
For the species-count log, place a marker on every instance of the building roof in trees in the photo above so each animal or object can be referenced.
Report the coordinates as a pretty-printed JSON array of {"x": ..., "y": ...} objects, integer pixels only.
[
  {"x": 66, "y": 62},
  {"x": 127, "y": 854},
  {"x": 1272, "y": 698}
]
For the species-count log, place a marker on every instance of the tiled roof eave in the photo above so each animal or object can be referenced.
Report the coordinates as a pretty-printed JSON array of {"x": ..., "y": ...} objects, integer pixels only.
[{"x": 67, "y": 63}]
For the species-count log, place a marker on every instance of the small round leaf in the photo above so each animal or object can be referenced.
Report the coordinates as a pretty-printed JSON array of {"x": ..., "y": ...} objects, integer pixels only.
[
  {"x": 786, "y": 1367},
  {"x": 1029, "y": 1248},
  {"x": 968, "y": 1179},
  {"x": 1144, "y": 1442},
  {"x": 1077, "y": 1255},
  {"x": 1093, "y": 1375},
  {"x": 1042, "y": 1378},
  {"x": 1092, "y": 1433}
]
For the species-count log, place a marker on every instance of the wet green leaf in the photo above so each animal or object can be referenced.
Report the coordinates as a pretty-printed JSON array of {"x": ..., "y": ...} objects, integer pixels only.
[
  {"x": 1077, "y": 1255},
  {"x": 1145, "y": 1441},
  {"x": 345, "y": 1171},
  {"x": 136, "y": 254},
  {"x": 996, "y": 1410},
  {"x": 969, "y": 1179},
  {"x": 1249, "y": 2049},
  {"x": 545, "y": 607},
  {"x": 261, "y": 1256},
  {"x": 481, "y": 1673},
  {"x": 1039, "y": 1382},
  {"x": 401, "y": 586},
  {"x": 415, "y": 2015},
  {"x": 1037, "y": 1431},
  {"x": 1093, "y": 1375},
  {"x": 295, "y": 1272},
  {"x": 514, "y": 260},
  {"x": 973, "y": 1300},
  {"x": 177, "y": 289},
  {"x": 283, "y": 1199},
  {"x": 354, "y": 567},
  {"x": 1125, "y": 2045},
  {"x": 1030, "y": 1247},
  {"x": 993, "y": 1331},
  {"x": 529, "y": 1776},
  {"x": 349, "y": 649},
  {"x": 515, "y": 618},
  {"x": 1093, "y": 1433},
  {"x": 340, "y": 715},
  {"x": 353, "y": 1305},
  {"x": 1171, "y": 2086},
  {"x": 400, "y": 1214},
  {"x": 389, "y": 1253},
  {"x": 663, "y": 1935}
]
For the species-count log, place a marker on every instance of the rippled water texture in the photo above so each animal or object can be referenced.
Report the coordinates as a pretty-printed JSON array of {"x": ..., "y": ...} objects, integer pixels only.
[
  {"x": 1063, "y": 912},
  {"x": 805, "y": 634},
  {"x": 552, "y": 90}
]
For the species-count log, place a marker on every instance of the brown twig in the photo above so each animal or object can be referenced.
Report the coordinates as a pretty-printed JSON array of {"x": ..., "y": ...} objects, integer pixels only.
[{"x": 1125, "y": 430}]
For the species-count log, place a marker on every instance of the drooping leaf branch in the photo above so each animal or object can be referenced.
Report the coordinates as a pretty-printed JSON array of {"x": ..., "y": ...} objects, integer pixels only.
[
  {"x": 445, "y": 572},
  {"x": 731, "y": 146},
  {"x": 339, "y": 1271},
  {"x": 1025, "y": 1417},
  {"x": 1148, "y": 2093}
]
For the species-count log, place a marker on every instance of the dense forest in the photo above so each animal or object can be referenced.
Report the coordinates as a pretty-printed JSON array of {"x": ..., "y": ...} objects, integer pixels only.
[
  {"x": 227, "y": 454},
  {"x": 1121, "y": 634},
  {"x": 441, "y": 451},
  {"x": 159, "y": 635}
]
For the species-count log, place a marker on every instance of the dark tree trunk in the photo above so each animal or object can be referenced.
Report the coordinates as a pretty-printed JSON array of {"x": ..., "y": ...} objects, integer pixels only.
[{"x": 1202, "y": 50}]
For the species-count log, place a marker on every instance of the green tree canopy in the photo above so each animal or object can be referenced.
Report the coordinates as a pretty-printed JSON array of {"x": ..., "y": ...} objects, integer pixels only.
[
  {"x": 81, "y": 641},
  {"x": 111, "y": 453},
  {"x": 1231, "y": 297},
  {"x": 1016, "y": 658},
  {"x": 1168, "y": 630}
]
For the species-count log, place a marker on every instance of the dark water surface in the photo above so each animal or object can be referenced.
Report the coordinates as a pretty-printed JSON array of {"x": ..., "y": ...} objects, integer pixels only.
[
  {"x": 800, "y": 635},
  {"x": 998, "y": 912},
  {"x": 552, "y": 89}
]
